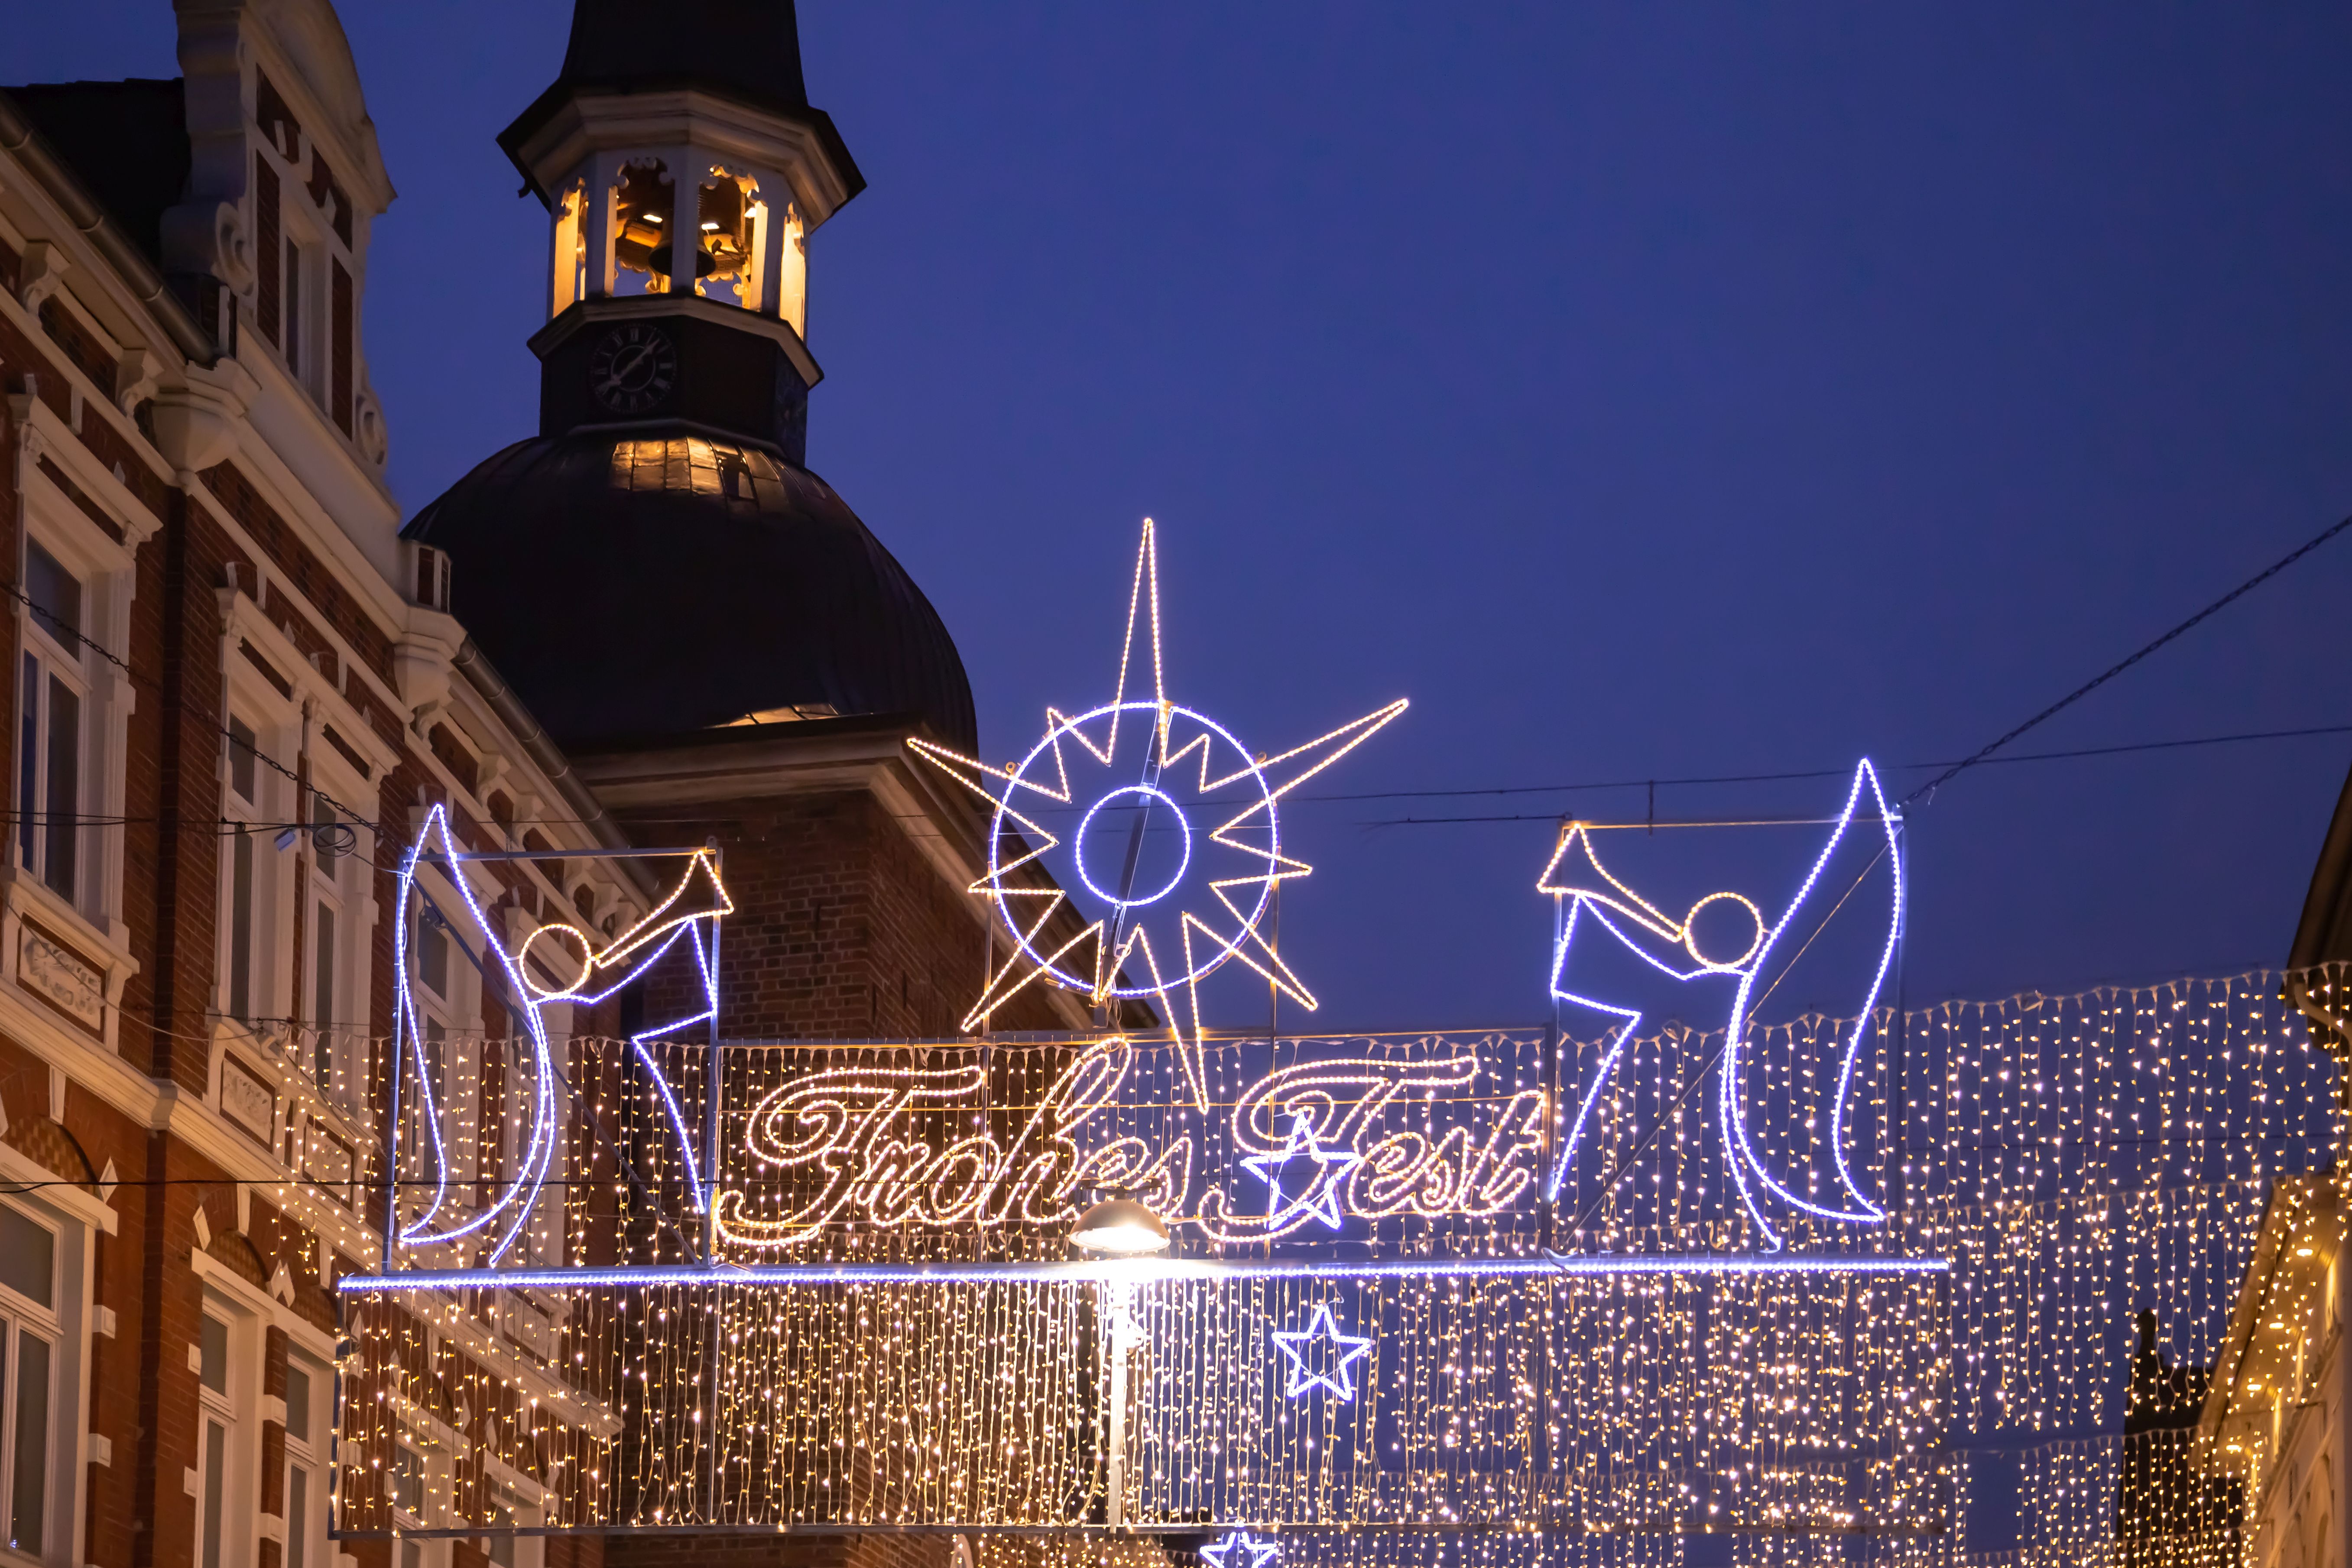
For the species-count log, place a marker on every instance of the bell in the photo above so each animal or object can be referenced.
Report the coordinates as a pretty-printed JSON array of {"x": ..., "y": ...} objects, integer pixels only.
[{"x": 658, "y": 261}]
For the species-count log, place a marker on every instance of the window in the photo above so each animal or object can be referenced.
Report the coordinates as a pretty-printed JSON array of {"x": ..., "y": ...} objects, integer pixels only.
[
  {"x": 28, "y": 1342},
  {"x": 323, "y": 938},
  {"x": 244, "y": 783},
  {"x": 257, "y": 895},
  {"x": 504, "y": 1513},
  {"x": 448, "y": 1009},
  {"x": 542, "y": 1234},
  {"x": 293, "y": 293},
  {"x": 408, "y": 1480},
  {"x": 306, "y": 1424},
  {"x": 503, "y": 1524},
  {"x": 430, "y": 943},
  {"x": 333, "y": 982},
  {"x": 327, "y": 936},
  {"x": 244, "y": 763},
  {"x": 216, "y": 1422},
  {"x": 50, "y": 703},
  {"x": 432, "y": 956},
  {"x": 415, "y": 1503}
]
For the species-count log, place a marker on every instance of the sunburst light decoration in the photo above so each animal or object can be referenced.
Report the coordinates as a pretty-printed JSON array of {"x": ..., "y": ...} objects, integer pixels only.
[{"x": 1173, "y": 904}]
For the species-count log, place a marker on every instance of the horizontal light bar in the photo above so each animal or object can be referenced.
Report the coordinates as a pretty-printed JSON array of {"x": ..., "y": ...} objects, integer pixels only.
[{"x": 1125, "y": 1271}]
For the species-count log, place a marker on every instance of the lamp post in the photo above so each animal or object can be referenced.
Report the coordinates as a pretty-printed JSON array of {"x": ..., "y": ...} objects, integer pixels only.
[{"x": 1119, "y": 1227}]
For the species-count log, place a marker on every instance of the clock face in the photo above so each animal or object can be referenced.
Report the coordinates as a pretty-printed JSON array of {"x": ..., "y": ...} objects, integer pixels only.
[{"x": 634, "y": 368}]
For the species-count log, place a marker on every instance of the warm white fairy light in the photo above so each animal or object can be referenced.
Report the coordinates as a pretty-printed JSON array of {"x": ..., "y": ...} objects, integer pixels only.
[
  {"x": 2074, "y": 1158},
  {"x": 1176, "y": 746}
]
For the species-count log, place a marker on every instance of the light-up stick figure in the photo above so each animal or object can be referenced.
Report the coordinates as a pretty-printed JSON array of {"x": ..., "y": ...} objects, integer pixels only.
[
  {"x": 1594, "y": 901},
  {"x": 529, "y": 976}
]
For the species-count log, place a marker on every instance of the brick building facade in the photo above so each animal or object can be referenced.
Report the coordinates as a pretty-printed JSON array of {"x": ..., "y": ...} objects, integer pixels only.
[{"x": 239, "y": 686}]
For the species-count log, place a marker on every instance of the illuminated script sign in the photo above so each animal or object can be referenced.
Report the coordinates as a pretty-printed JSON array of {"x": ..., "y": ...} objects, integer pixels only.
[{"x": 1317, "y": 1144}]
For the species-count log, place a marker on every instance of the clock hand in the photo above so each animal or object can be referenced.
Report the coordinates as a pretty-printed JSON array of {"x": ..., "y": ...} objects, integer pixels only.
[{"x": 636, "y": 354}]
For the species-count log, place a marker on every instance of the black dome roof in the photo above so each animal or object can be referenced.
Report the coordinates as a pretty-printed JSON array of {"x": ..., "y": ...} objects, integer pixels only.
[{"x": 656, "y": 581}]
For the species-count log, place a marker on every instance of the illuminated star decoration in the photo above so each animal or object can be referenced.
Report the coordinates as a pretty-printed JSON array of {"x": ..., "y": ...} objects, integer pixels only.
[
  {"x": 1321, "y": 1197},
  {"x": 1346, "y": 1350},
  {"x": 1172, "y": 943},
  {"x": 513, "y": 974},
  {"x": 1240, "y": 1548}
]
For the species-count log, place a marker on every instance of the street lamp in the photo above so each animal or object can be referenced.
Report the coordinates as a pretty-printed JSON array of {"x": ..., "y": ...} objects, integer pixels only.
[{"x": 1120, "y": 1227}]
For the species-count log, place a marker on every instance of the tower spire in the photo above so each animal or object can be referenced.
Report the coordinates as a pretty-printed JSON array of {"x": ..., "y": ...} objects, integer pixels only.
[{"x": 748, "y": 48}]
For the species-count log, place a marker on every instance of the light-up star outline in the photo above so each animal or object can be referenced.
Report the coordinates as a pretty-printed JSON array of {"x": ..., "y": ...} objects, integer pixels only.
[
  {"x": 1323, "y": 1328},
  {"x": 1321, "y": 1197},
  {"x": 1170, "y": 941},
  {"x": 1239, "y": 1549}
]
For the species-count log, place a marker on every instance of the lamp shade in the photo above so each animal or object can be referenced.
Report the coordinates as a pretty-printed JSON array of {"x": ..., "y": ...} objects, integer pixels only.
[{"x": 1120, "y": 1227}]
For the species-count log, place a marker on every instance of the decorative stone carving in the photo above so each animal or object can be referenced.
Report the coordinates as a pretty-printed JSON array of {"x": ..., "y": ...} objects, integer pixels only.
[
  {"x": 40, "y": 273},
  {"x": 197, "y": 424},
  {"x": 209, "y": 237},
  {"x": 328, "y": 1160},
  {"x": 58, "y": 976},
  {"x": 247, "y": 1099},
  {"x": 375, "y": 445},
  {"x": 136, "y": 376}
]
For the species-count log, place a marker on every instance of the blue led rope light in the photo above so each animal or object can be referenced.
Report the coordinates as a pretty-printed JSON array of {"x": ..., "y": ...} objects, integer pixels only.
[
  {"x": 1733, "y": 1113},
  {"x": 1240, "y": 1548},
  {"x": 1129, "y": 1271},
  {"x": 1173, "y": 733},
  {"x": 1302, "y": 1144},
  {"x": 622, "y": 960},
  {"x": 1607, "y": 902},
  {"x": 1322, "y": 1329}
]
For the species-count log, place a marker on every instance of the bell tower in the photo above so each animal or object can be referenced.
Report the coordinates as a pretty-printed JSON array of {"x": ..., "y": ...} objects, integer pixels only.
[{"x": 666, "y": 130}]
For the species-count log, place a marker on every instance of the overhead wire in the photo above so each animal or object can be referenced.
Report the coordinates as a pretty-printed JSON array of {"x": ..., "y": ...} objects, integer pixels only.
[{"x": 1984, "y": 752}]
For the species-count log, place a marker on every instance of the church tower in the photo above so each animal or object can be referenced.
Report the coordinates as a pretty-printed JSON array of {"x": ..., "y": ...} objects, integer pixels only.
[
  {"x": 658, "y": 562},
  {"x": 657, "y": 136}
]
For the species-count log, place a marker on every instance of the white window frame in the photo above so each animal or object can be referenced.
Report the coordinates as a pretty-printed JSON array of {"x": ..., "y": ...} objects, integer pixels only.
[
  {"x": 308, "y": 1455},
  {"x": 50, "y": 661},
  {"x": 21, "y": 1315},
  {"x": 270, "y": 983},
  {"x": 342, "y": 885},
  {"x": 231, "y": 1407},
  {"x": 297, "y": 297},
  {"x": 434, "y": 1482},
  {"x": 305, "y": 242},
  {"x": 105, "y": 570},
  {"x": 527, "y": 1551}
]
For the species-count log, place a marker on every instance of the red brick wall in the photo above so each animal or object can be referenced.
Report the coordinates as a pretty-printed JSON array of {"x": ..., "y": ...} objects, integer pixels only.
[{"x": 842, "y": 930}]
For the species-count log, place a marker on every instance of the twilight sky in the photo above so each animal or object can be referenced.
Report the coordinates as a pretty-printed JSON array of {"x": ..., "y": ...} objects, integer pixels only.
[{"x": 1645, "y": 392}]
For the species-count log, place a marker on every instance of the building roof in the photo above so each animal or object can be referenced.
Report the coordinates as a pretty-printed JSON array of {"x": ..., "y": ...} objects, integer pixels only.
[
  {"x": 751, "y": 48},
  {"x": 127, "y": 142},
  {"x": 748, "y": 50},
  {"x": 2324, "y": 935},
  {"x": 662, "y": 580}
]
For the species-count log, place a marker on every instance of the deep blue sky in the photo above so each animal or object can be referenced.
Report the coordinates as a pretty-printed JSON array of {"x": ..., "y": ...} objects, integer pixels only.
[{"x": 1644, "y": 391}]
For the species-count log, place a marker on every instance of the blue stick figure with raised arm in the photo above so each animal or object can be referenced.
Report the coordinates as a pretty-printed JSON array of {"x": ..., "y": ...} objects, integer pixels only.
[{"x": 1594, "y": 902}]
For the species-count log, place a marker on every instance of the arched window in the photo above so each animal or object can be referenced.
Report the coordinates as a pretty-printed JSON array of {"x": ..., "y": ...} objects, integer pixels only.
[{"x": 641, "y": 223}]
